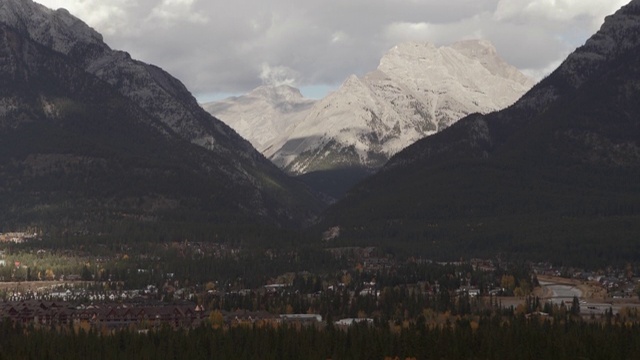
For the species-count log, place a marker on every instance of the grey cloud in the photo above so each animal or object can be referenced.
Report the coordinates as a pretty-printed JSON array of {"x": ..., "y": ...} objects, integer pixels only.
[{"x": 216, "y": 46}]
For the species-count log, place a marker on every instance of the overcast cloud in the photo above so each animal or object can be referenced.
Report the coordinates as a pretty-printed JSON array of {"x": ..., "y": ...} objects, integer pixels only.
[{"x": 218, "y": 47}]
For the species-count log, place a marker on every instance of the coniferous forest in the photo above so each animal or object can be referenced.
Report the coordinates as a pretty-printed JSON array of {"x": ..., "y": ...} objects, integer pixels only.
[{"x": 491, "y": 337}]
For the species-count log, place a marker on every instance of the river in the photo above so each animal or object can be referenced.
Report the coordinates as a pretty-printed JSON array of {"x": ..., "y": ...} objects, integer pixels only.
[{"x": 562, "y": 293}]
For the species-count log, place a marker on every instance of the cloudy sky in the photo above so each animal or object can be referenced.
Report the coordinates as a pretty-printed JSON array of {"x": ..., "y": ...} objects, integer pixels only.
[{"x": 218, "y": 48}]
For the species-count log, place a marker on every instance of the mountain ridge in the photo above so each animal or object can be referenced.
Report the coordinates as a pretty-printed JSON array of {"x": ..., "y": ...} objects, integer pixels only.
[
  {"x": 154, "y": 89},
  {"x": 124, "y": 140}
]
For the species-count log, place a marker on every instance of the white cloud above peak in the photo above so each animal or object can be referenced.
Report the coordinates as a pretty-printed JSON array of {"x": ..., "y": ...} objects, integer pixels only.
[
  {"x": 278, "y": 75},
  {"x": 219, "y": 47}
]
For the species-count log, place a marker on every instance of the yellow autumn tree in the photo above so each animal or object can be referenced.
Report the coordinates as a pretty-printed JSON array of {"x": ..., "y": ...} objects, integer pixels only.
[
  {"x": 216, "y": 319},
  {"x": 49, "y": 275},
  {"x": 508, "y": 282},
  {"x": 346, "y": 279}
]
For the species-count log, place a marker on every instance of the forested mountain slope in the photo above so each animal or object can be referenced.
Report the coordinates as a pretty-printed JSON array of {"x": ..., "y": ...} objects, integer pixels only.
[{"x": 92, "y": 140}]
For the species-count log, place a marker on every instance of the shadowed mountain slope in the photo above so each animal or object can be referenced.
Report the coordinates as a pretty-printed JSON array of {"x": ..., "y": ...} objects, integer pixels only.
[{"x": 93, "y": 141}]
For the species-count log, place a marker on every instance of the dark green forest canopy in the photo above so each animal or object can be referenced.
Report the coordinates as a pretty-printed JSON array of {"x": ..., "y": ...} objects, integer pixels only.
[{"x": 490, "y": 338}]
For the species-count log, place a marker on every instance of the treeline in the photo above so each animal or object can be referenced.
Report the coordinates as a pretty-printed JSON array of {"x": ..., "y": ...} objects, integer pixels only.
[{"x": 492, "y": 337}]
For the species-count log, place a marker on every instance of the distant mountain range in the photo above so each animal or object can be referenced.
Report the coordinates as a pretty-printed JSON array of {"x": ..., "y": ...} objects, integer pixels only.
[
  {"x": 555, "y": 176},
  {"x": 417, "y": 90},
  {"x": 92, "y": 140}
]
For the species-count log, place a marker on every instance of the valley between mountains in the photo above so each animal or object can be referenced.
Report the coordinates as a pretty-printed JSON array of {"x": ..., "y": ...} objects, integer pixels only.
[
  {"x": 447, "y": 151},
  {"x": 417, "y": 90}
]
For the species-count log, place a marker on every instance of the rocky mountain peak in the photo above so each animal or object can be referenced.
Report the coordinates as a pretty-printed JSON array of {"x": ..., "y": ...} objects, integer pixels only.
[
  {"x": 277, "y": 94},
  {"x": 440, "y": 63},
  {"x": 57, "y": 29},
  {"x": 619, "y": 33},
  {"x": 408, "y": 54},
  {"x": 417, "y": 90},
  {"x": 352, "y": 82},
  {"x": 486, "y": 53}
]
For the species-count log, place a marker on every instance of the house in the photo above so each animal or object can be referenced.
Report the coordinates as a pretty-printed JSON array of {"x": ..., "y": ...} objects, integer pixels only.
[
  {"x": 108, "y": 317},
  {"x": 369, "y": 292},
  {"x": 275, "y": 288}
]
